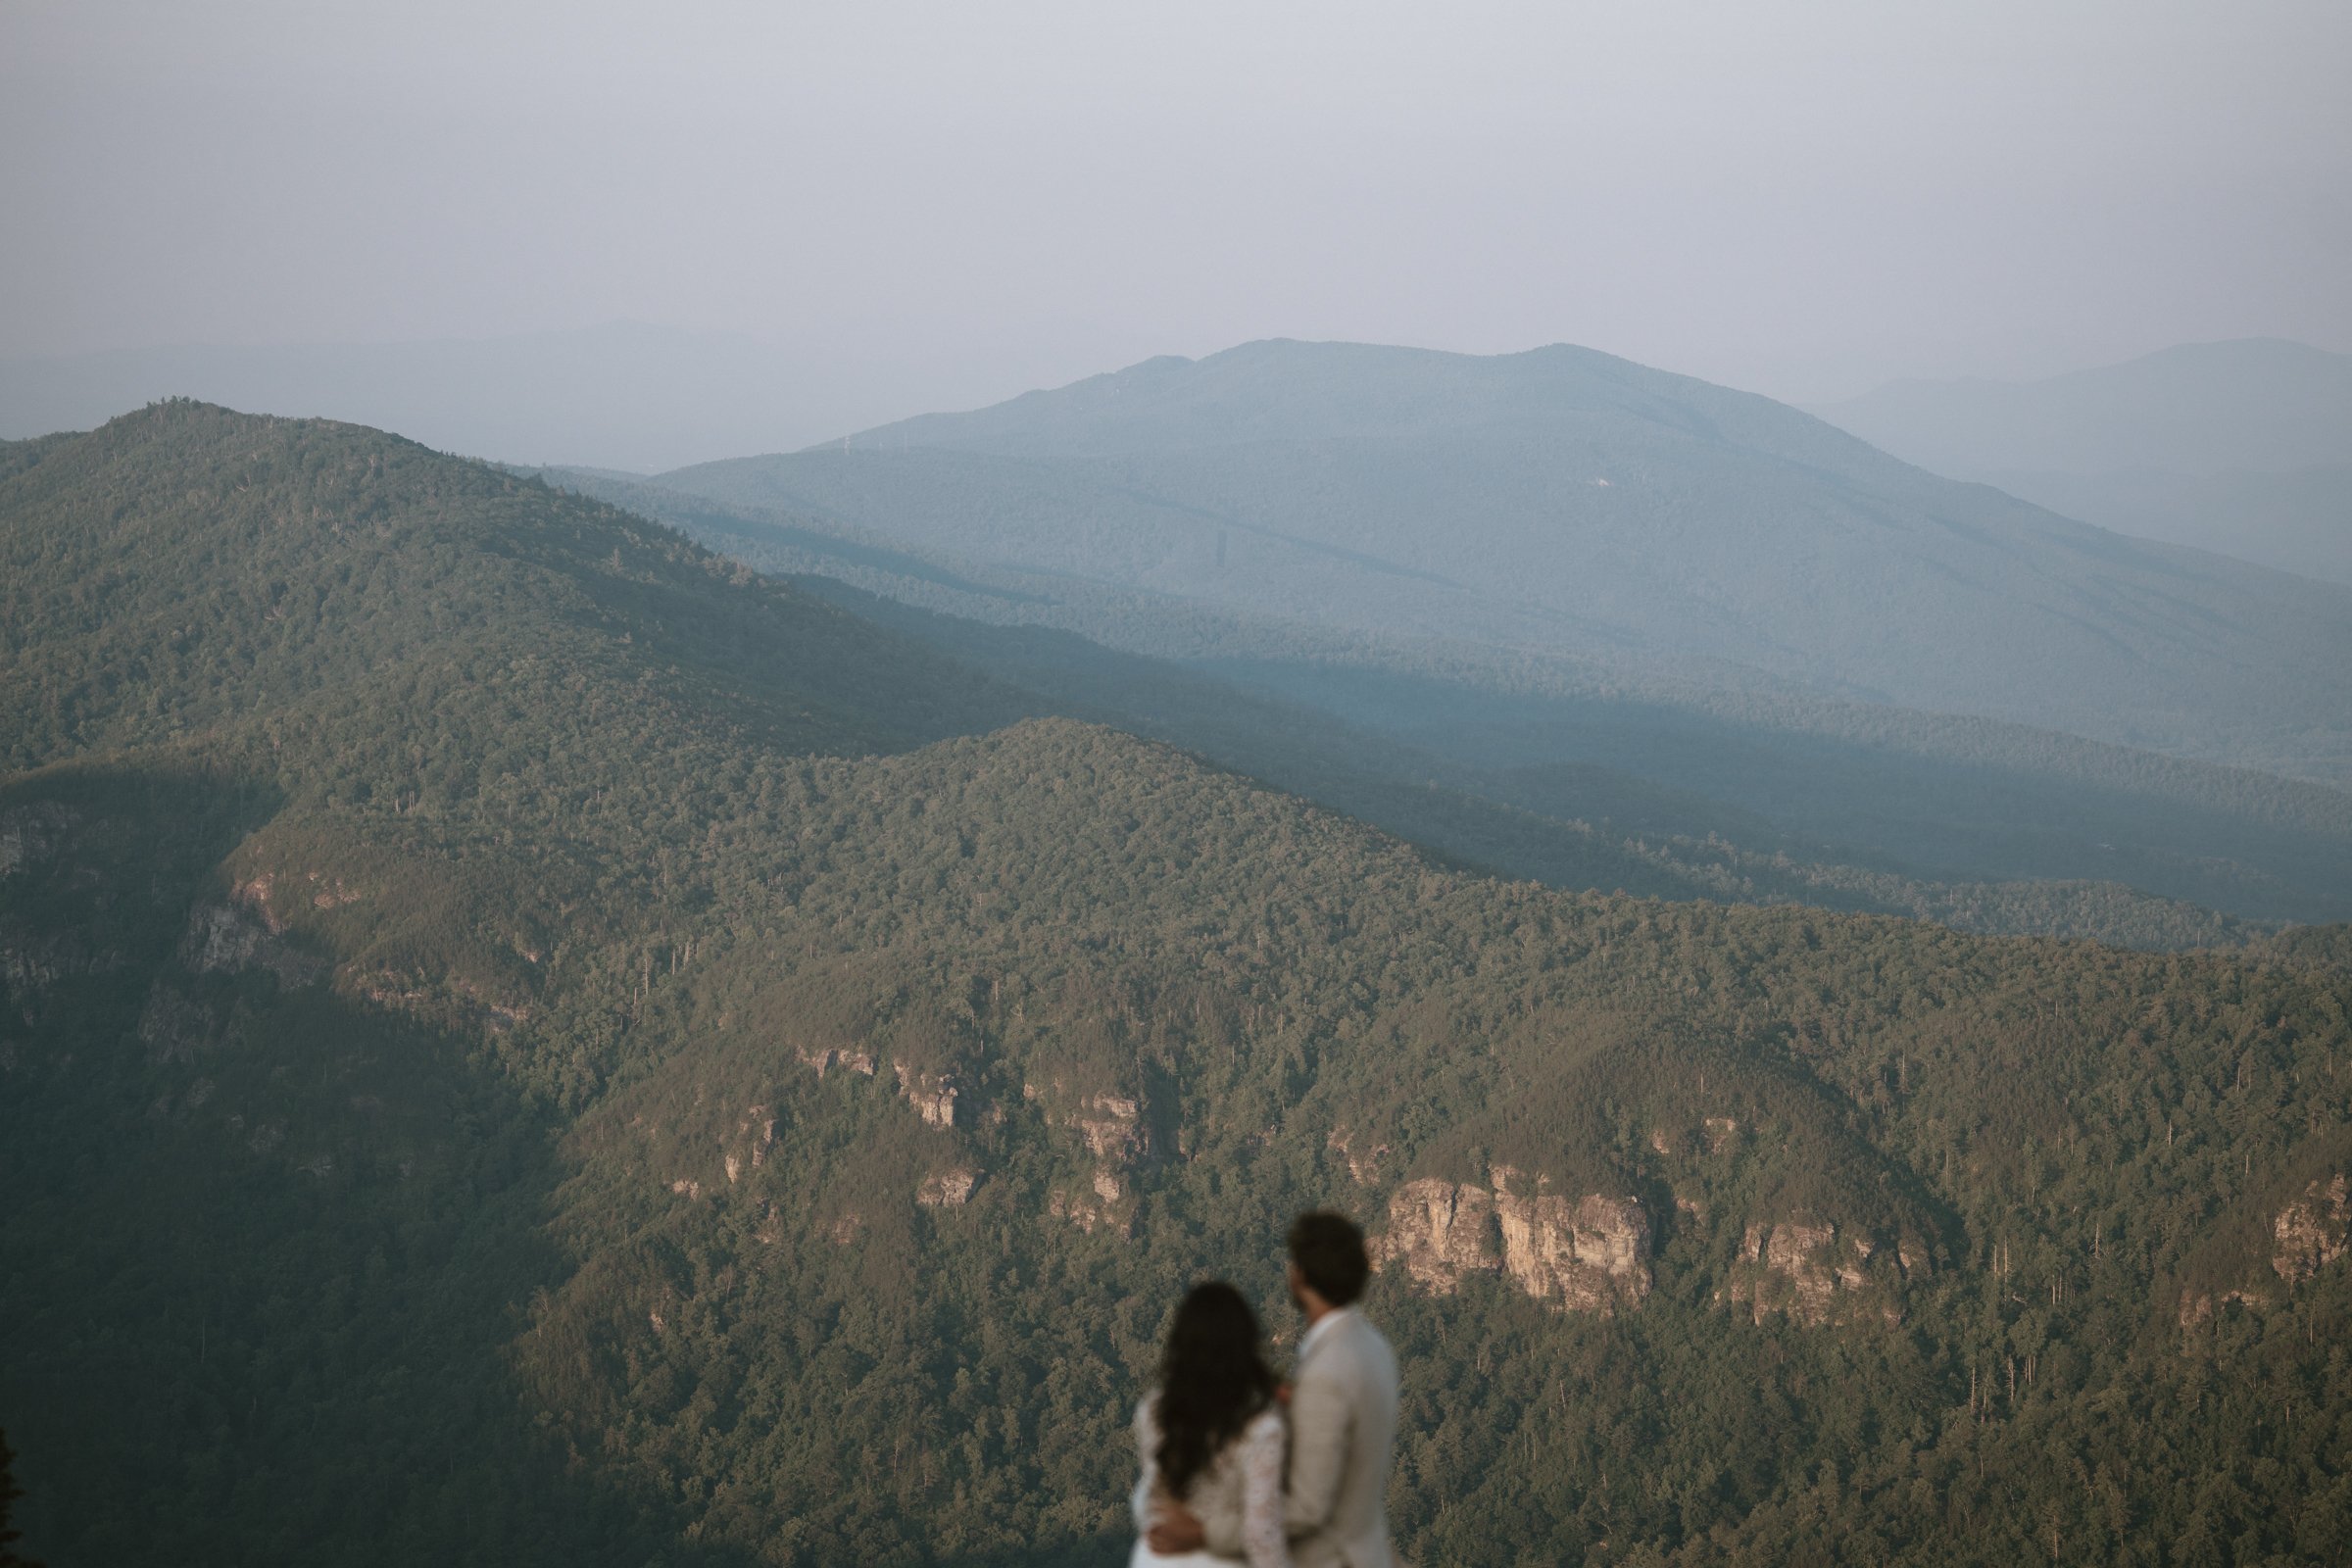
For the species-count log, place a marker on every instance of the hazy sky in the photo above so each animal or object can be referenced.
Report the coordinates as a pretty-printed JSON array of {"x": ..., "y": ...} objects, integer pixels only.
[{"x": 964, "y": 200}]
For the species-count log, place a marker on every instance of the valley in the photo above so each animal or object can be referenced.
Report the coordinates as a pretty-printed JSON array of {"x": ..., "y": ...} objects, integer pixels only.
[{"x": 588, "y": 1051}]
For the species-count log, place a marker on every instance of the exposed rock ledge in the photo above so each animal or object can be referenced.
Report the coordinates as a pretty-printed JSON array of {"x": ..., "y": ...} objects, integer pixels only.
[
  {"x": 823, "y": 1058},
  {"x": 930, "y": 1093},
  {"x": 1590, "y": 1256},
  {"x": 2311, "y": 1232},
  {"x": 948, "y": 1189},
  {"x": 1087, "y": 1215},
  {"x": 1808, "y": 1272}
]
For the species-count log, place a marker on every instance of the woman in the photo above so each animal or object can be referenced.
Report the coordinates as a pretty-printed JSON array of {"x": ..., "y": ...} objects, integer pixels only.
[{"x": 1211, "y": 1436}]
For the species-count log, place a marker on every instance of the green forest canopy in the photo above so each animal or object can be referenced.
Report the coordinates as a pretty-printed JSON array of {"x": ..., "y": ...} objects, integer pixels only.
[{"x": 428, "y": 901}]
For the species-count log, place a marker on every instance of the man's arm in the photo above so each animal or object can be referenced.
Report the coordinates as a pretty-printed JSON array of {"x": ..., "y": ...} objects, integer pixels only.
[
  {"x": 1321, "y": 1418},
  {"x": 1175, "y": 1530}
]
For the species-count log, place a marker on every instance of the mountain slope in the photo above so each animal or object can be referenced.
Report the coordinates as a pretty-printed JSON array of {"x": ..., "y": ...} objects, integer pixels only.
[
  {"x": 1563, "y": 501},
  {"x": 2299, "y": 520},
  {"x": 2237, "y": 447},
  {"x": 641, "y": 1104},
  {"x": 1551, "y": 775},
  {"x": 2258, "y": 404}
]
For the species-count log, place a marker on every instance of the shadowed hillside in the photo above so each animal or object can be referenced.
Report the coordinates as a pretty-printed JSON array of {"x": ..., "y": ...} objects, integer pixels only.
[{"x": 1562, "y": 772}]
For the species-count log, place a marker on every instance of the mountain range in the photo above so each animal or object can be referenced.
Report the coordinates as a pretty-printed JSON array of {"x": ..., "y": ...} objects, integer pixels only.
[
  {"x": 529, "y": 1041},
  {"x": 1565, "y": 503},
  {"x": 1591, "y": 780},
  {"x": 2242, "y": 447}
]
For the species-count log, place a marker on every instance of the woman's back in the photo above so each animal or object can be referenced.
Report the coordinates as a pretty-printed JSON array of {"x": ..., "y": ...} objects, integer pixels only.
[{"x": 1241, "y": 1481}]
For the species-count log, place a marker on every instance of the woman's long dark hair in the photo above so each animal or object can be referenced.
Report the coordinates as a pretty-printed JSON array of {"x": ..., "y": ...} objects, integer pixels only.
[{"x": 1211, "y": 1382}]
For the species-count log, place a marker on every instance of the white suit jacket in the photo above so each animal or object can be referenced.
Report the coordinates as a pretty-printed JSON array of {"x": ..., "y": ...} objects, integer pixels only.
[{"x": 1343, "y": 1434}]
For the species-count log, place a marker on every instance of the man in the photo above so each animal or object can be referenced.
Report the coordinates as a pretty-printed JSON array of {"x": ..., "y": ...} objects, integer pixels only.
[{"x": 1343, "y": 1417}]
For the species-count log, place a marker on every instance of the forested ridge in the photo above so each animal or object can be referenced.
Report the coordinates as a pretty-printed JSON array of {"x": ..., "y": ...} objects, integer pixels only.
[
  {"x": 1564, "y": 502},
  {"x": 527, "y": 1041},
  {"x": 1588, "y": 776}
]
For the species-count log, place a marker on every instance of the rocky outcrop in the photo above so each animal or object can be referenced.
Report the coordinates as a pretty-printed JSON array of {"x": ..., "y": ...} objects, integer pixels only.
[
  {"x": 1590, "y": 1255},
  {"x": 822, "y": 1057},
  {"x": 242, "y": 934},
  {"x": 30, "y": 833},
  {"x": 2311, "y": 1233},
  {"x": 1362, "y": 1155},
  {"x": 1089, "y": 1214},
  {"x": 1439, "y": 1231},
  {"x": 1111, "y": 1126},
  {"x": 948, "y": 1189},
  {"x": 1813, "y": 1273},
  {"x": 933, "y": 1095},
  {"x": 2198, "y": 1307},
  {"x": 329, "y": 893}
]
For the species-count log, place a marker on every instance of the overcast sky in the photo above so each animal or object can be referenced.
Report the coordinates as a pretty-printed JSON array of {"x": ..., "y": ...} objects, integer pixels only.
[{"x": 966, "y": 200}]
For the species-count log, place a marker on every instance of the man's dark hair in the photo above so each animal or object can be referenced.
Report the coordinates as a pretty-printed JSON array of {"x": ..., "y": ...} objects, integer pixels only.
[{"x": 1330, "y": 1251}]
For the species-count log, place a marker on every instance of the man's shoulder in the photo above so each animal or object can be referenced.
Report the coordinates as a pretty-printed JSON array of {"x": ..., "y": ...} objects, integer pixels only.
[
  {"x": 1365, "y": 1354},
  {"x": 1353, "y": 1339},
  {"x": 1363, "y": 1331}
]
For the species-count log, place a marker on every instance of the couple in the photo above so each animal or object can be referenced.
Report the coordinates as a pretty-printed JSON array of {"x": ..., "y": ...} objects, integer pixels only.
[{"x": 1215, "y": 1442}]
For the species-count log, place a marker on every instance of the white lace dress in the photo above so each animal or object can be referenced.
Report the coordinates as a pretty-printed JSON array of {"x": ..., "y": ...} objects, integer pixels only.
[{"x": 1244, "y": 1481}]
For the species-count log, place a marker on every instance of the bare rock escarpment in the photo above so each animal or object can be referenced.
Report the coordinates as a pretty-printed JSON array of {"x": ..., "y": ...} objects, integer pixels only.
[
  {"x": 1819, "y": 1272},
  {"x": 2313, "y": 1230},
  {"x": 932, "y": 1094},
  {"x": 1110, "y": 1125},
  {"x": 2311, "y": 1233},
  {"x": 948, "y": 1189},
  {"x": 1588, "y": 1255}
]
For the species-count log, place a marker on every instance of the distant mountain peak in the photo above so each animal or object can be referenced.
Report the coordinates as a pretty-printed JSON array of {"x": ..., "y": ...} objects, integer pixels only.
[{"x": 2266, "y": 405}]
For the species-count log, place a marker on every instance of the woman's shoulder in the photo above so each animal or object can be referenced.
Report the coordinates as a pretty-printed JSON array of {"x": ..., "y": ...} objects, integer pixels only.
[{"x": 1267, "y": 1423}]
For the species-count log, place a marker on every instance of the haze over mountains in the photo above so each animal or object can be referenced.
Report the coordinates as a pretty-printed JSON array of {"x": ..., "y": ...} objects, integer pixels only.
[
  {"x": 622, "y": 395},
  {"x": 1565, "y": 503},
  {"x": 527, "y": 1042},
  {"x": 2243, "y": 448},
  {"x": 1580, "y": 781}
]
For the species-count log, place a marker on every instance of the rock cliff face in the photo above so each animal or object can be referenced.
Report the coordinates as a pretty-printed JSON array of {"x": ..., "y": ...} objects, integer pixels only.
[
  {"x": 34, "y": 832},
  {"x": 1089, "y": 1214},
  {"x": 1110, "y": 1124},
  {"x": 932, "y": 1096},
  {"x": 1815, "y": 1273},
  {"x": 241, "y": 935},
  {"x": 948, "y": 1189},
  {"x": 754, "y": 1136},
  {"x": 2311, "y": 1232},
  {"x": 825, "y": 1057},
  {"x": 1592, "y": 1255}
]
